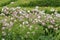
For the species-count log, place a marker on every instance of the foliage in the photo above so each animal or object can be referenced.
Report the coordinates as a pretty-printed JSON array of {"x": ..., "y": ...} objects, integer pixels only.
[{"x": 30, "y": 3}]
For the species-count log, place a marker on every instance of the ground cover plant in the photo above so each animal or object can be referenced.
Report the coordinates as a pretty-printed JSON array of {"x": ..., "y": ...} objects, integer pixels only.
[
  {"x": 29, "y": 19},
  {"x": 35, "y": 24}
]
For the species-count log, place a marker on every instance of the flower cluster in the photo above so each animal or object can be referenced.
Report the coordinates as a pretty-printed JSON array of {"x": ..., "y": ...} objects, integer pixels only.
[{"x": 29, "y": 18}]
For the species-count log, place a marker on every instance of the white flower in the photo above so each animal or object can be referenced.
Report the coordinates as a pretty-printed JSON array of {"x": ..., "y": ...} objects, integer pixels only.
[
  {"x": 56, "y": 24},
  {"x": 12, "y": 9},
  {"x": 6, "y": 24},
  {"x": 33, "y": 21},
  {"x": 52, "y": 9},
  {"x": 55, "y": 12},
  {"x": 52, "y": 14},
  {"x": 26, "y": 22},
  {"x": 27, "y": 16},
  {"x": 5, "y": 7},
  {"x": 48, "y": 16},
  {"x": 14, "y": 13},
  {"x": 20, "y": 25},
  {"x": 28, "y": 32},
  {"x": 5, "y": 10},
  {"x": 12, "y": 2},
  {"x": 55, "y": 29},
  {"x": 52, "y": 21},
  {"x": 31, "y": 26},
  {"x": 20, "y": 12},
  {"x": 18, "y": 7},
  {"x": 4, "y": 33},
  {"x": 50, "y": 26},
  {"x": 28, "y": 11},
  {"x": 57, "y": 15},
  {"x": 23, "y": 23},
  {"x": 39, "y": 16},
  {"x": 43, "y": 23},
  {"x": 11, "y": 23},
  {"x": 3, "y": 39},
  {"x": 36, "y": 20},
  {"x": 3, "y": 28},
  {"x": 42, "y": 12},
  {"x": 5, "y": 19},
  {"x": 37, "y": 7},
  {"x": 39, "y": 20},
  {"x": 12, "y": 18},
  {"x": 2, "y": 14}
]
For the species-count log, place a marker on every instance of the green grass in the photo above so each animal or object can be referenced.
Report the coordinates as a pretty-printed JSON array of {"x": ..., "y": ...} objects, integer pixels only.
[
  {"x": 29, "y": 3},
  {"x": 24, "y": 4}
]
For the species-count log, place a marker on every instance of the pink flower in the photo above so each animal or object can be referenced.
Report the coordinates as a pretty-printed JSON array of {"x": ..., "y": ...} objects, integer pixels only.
[{"x": 52, "y": 21}]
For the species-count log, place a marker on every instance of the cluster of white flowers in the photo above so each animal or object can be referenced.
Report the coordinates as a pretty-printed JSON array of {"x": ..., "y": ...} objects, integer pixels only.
[
  {"x": 29, "y": 18},
  {"x": 33, "y": 16}
]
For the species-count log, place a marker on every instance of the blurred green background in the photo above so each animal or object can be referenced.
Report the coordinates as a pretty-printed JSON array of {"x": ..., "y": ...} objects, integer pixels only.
[{"x": 29, "y": 4}]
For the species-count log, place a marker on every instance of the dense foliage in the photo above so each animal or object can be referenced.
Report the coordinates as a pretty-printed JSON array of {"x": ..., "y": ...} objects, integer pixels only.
[{"x": 30, "y": 3}]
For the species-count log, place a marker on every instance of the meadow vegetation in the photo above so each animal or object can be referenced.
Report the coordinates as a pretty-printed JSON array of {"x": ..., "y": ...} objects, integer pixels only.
[{"x": 29, "y": 20}]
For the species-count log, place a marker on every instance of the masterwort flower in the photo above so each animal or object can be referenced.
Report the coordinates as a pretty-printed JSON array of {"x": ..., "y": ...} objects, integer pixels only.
[{"x": 3, "y": 39}]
